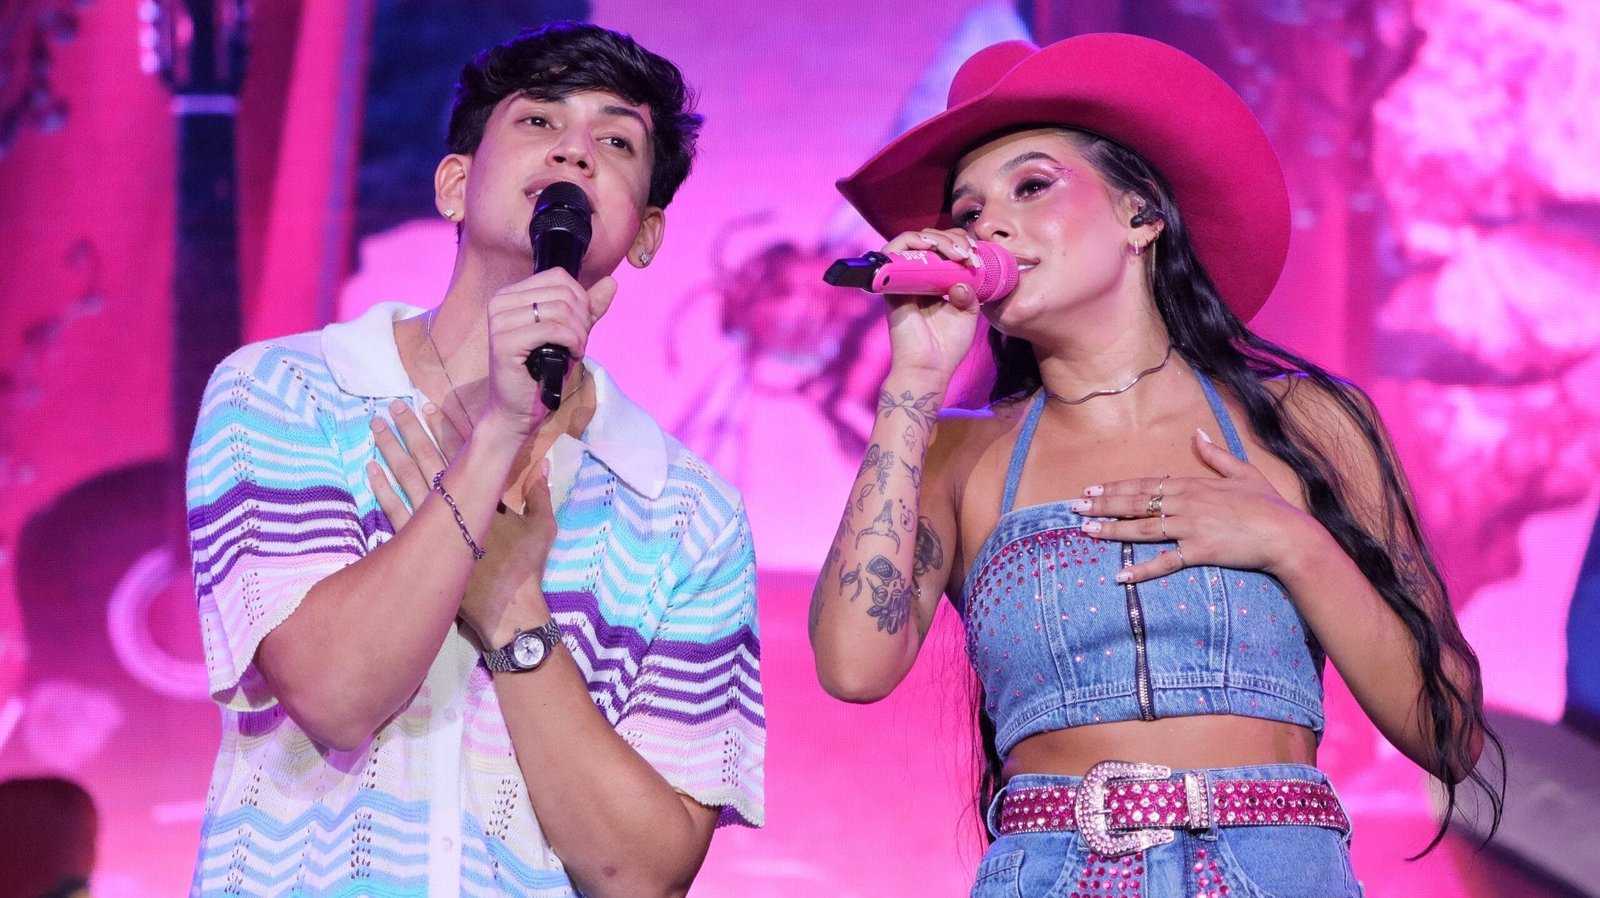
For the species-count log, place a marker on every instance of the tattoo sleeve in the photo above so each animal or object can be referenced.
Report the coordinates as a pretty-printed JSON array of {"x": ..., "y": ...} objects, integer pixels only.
[{"x": 883, "y": 502}]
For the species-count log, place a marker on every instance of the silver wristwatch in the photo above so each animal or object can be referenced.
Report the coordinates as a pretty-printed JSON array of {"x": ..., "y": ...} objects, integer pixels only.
[{"x": 526, "y": 651}]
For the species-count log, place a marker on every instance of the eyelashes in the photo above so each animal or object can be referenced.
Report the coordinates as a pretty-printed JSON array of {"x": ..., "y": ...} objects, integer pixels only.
[
  {"x": 616, "y": 142},
  {"x": 1026, "y": 189}
]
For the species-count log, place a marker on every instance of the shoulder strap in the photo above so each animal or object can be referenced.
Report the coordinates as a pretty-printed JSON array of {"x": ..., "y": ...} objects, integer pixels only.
[
  {"x": 1019, "y": 452},
  {"x": 1220, "y": 411}
]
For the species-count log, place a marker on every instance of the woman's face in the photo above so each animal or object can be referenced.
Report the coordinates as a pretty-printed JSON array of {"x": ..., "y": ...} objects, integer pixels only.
[{"x": 1034, "y": 193}]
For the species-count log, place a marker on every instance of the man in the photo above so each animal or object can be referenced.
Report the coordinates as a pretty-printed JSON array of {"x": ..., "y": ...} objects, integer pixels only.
[{"x": 537, "y": 674}]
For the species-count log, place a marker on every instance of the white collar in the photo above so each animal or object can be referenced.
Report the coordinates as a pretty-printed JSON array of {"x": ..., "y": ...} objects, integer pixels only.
[{"x": 364, "y": 360}]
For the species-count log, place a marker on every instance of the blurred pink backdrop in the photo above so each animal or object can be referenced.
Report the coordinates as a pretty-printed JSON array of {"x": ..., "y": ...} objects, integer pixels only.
[{"x": 1438, "y": 260}]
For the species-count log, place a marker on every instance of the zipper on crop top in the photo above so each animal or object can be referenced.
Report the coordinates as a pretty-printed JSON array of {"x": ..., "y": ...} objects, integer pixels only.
[{"x": 1141, "y": 660}]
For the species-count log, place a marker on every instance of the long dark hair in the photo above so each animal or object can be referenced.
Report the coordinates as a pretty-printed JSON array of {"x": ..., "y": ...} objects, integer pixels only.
[{"x": 1214, "y": 341}]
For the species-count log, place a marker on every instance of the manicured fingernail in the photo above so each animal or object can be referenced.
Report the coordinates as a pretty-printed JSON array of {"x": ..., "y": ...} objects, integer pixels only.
[
  {"x": 378, "y": 425},
  {"x": 429, "y": 408},
  {"x": 1123, "y": 577},
  {"x": 373, "y": 469},
  {"x": 396, "y": 407},
  {"x": 1203, "y": 435},
  {"x": 1091, "y": 527},
  {"x": 1081, "y": 505},
  {"x": 1095, "y": 490},
  {"x": 544, "y": 467}
]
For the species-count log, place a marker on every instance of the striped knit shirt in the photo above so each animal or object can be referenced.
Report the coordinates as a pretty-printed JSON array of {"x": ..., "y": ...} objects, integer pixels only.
[{"x": 652, "y": 579}]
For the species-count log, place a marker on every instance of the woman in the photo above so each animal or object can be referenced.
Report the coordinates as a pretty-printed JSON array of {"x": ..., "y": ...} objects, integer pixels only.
[{"x": 1162, "y": 525}]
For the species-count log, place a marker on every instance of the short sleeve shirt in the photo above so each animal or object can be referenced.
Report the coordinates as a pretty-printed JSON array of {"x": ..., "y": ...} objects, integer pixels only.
[{"x": 651, "y": 578}]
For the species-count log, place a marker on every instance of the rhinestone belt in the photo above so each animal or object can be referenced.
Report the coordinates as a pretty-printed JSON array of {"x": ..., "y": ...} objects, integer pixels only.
[{"x": 1122, "y": 807}]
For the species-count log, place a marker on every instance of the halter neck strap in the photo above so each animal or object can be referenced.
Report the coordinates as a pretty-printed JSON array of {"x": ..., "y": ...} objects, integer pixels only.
[{"x": 1019, "y": 452}]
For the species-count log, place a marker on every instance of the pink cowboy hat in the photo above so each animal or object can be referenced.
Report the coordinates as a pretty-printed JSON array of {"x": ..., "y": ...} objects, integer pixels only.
[{"x": 1156, "y": 100}]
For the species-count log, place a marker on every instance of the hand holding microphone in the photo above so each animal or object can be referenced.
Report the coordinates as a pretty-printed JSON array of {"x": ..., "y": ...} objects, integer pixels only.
[
  {"x": 559, "y": 232},
  {"x": 926, "y": 273},
  {"x": 928, "y": 338}
]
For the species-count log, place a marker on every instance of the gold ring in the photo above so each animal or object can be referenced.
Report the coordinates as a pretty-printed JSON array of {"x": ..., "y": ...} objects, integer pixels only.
[{"x": 1154, "y": 505}]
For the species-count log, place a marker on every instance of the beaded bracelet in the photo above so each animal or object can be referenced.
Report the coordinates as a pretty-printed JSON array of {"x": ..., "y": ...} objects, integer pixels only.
[{"x": 438, "y": 487}]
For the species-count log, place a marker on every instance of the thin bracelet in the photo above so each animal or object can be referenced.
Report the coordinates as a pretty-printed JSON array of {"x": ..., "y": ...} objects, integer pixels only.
[{"x": 438, "y": 487}]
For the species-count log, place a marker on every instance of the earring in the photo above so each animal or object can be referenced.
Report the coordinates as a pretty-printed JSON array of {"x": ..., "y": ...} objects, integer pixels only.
[
  {"x": 450, "y": 214},
  {"x": 644, "y": 258},
  {"x": 1138, "y": 249}
]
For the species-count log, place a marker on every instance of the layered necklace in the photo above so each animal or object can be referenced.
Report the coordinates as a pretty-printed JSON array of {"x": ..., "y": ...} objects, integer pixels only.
[{"x": 1104, "y": 392}]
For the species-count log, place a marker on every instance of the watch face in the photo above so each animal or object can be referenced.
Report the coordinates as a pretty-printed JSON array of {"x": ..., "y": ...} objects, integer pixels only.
[{"x": 527, "y": 650}]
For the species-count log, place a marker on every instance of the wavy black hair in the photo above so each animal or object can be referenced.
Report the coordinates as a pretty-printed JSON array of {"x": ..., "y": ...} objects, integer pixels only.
[
  {"x": 1212, "y": 339},
  {"x": 565, "y": 58}
]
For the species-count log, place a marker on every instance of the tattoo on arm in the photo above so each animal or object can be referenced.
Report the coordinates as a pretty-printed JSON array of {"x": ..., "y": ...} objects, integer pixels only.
[
  {"x": 885, "y": 466},
  {"x": 915, "y": 471},
  {"x": 891, "y": 595},
  {"x": 848, "y": 579},
  {"x": 861, "y": 496},
  {"x": 882, "y": 525},
  {"x": 881, "y": 463},
  {"x": 922, "y": 410},
  {"x": 929, "y": 553}
]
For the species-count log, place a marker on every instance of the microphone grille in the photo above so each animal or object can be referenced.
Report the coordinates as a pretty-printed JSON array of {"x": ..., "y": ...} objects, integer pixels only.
[
  {"x": 999, "y": 271},
  {"x": 562, "y": 206}
]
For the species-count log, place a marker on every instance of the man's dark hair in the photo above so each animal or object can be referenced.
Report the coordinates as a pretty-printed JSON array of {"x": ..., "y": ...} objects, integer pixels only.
[{"x": 565, "y": 58}]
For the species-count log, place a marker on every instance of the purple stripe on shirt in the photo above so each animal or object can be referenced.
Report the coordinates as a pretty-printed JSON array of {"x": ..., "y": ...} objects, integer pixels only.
[{"x": 718, "y": 658}]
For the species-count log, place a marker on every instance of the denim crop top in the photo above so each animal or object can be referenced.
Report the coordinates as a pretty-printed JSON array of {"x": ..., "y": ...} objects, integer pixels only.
[{"x": 1057, "y": 642}]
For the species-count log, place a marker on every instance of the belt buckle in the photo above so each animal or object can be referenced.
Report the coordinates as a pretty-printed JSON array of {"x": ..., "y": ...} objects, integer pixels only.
[{"x": 1094, "y": 819}]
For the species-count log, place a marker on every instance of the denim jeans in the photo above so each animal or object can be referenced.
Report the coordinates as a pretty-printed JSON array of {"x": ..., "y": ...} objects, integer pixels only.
[{"x": 1226, "y": 862}]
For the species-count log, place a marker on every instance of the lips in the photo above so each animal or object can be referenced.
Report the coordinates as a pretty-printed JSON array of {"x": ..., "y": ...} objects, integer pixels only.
[{"x": 534, "y": 188}]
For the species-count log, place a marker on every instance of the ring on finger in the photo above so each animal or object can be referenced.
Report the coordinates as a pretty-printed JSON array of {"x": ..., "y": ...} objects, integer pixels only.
[
  {"x": 1163, "y": 526},
  {"x": 535, "y": 313},
  {"x": 1182, "y": 562},
  {"x": 1161, "y": 485},
  {"x": 1154, "y": 505}
]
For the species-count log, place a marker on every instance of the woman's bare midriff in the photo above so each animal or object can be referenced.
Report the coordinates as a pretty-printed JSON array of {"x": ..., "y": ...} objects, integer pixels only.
[{"x": 1208, "y": 740}]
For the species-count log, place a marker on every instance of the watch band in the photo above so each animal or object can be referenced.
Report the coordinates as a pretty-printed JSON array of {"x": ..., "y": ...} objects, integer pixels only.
[{"x": 504, "y": 659}]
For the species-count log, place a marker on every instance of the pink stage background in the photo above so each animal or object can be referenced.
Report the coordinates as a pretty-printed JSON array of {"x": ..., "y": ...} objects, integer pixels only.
[{"x": 1441, "y": 156}]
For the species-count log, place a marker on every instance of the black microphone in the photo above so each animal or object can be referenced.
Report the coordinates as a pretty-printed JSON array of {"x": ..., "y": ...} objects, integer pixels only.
[{"x": 560, "y": 232}]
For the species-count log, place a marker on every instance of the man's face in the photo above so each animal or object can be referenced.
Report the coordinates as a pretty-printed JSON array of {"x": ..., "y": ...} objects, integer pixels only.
[{"x": 595, "y": 140}]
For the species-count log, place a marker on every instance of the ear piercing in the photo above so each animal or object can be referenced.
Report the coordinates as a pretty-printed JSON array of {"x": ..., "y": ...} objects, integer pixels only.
[
  {"x": 644, "y": 258},
  {"x": 450, "y": 214}
]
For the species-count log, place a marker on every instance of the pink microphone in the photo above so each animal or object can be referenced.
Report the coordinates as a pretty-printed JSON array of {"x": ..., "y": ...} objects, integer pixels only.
[{"x": 926, "y": 273}]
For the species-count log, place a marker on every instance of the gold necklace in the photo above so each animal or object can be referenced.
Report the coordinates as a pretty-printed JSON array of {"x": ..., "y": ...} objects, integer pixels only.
[{"x": 1112, "y": 392}]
